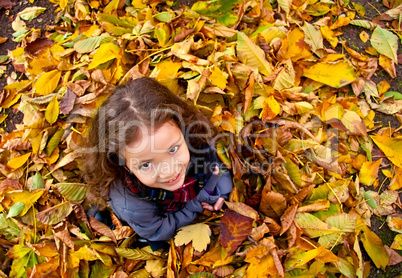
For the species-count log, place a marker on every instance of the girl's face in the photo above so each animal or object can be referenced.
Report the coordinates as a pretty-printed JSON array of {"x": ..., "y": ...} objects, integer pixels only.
[{"x": 159, "y": 159}]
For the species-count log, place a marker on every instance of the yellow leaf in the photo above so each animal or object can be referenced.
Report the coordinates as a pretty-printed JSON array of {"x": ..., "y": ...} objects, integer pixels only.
[
  {"x": 52, "y": 111},
  {"x": 375, "y": 248},
  {"x": 155, "y": 267},
  {"x": 252, "y": 55},
  {"x": 300, "y": 259},
  {"x": 341, "y": 21},
  {"x": 391, "y": 147},
  {"x": 166, "y": 69},
  {"x": 396, "y": 182},
  {"x": 263, "y": 268},
  {"x": 63, "y": 3},
  {"x": 17, "y": 162},
  {"x": 332, "y": 74},
  {"x": 113, "y": 5},
  {"x": 271, "y": 108},
  {"x": 272, "y": 33},
  {"x": 397, "y": 243},
  {"x": 254, "y": 255},
  {"x": 138, "y": 4},
  {"x": 329, "y": 35},
  {"x": 294, "y": 46},
  {"x": 28, "y": 198},
  {"x": 388, "y": 65},
  {"x": 217, "y": 78},
  {"x": 105, "y": 53},
  {"x": 198, "y": 233},
  {"x": 313, "y": 36},
  {"x": 364, "y": 36},
  {"x": 286, "y": 77},
  {"x": 47, "y": 82},
  {"x": 44, "y": 59},
  {"x": 352, "y": 121},
  {"x": 369, "y": 172},
  {"x": 84, "y": 253}
]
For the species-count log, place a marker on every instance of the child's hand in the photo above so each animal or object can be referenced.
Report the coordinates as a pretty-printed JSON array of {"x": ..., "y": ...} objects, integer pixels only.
[{"x": 217, "y": 206}]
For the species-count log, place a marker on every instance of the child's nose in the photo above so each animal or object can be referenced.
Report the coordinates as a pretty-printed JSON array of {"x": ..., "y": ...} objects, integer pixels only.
[{"x": 169, "y": 168}]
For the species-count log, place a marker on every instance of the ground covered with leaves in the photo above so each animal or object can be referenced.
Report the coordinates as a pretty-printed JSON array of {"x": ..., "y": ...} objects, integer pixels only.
[{"x": 309, "y": 118}]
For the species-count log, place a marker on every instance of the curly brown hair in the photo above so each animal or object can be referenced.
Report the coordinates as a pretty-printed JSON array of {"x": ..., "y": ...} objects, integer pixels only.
[{"x": 140, "y": 102}]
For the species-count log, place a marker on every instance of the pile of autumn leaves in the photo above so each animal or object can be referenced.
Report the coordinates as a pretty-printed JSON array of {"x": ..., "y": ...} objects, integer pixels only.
[{"x": 294, "y": 117}]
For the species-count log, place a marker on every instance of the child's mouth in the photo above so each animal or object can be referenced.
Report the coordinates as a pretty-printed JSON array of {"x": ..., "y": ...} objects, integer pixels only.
[{"x": 173, "y": 181}]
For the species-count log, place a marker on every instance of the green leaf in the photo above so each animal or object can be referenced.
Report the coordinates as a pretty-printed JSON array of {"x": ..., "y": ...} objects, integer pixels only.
[
  {"x": 252, "y": 55},
  {"x": 396, "y": 95},
  {"x": 370, "y": 200},
  {"x": 99, "y": 270},
  {"x": 8, "y": 227},
  {"x": 31, "y": 13},
  {"x": 385, "y": 42},
  {"x": 227, "y": 19},
  {"x": 15, "y": 209},
  {"x": 3, "y": 58},
  {"x": 75, "y": 192},
  {"x": 23, "y": 258},
  {"x": 312, "y": 226},
  {"x": 164, "y": 16},
  {"x": 293, "y": 171},
  {"x": 346, "y": 223},
  {"x": 54, "y": 141},
  {"x": 90, "y": 44},
  {"x": 37, "y": 181},
  {"x": 222, "y": 153},
  {"x": 363, "y": 23}
]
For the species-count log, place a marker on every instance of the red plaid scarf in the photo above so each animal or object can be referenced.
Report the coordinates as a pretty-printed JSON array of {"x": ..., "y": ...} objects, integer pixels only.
[{"x": 170, "y": 201}]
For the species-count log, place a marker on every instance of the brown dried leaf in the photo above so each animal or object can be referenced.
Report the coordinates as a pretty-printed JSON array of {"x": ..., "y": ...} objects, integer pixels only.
[
  {"x": 272, "y": 204},
  {"x": 102, "y": 229},
  {"x": 123, "y": 232},
  {"x": 61, "y": 232},
  {"x": 274, "y": 227},
  {"x": 258, "y": 233},
  {"x": 288, "y": 217},
  {"x": 243, "y": 209}
]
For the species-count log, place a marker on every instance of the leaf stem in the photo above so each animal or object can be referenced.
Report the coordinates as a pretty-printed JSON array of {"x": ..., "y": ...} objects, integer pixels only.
[
  {"x": 150, "y": 55},
  {"x": 336, "y": 242},
  {"x": 336, "y": 196}
]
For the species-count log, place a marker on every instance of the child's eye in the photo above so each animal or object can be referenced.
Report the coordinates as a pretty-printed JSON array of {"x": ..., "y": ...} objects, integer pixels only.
[
  {"x": 145, "y": 165},
  {"x": 173, "y": 150}
]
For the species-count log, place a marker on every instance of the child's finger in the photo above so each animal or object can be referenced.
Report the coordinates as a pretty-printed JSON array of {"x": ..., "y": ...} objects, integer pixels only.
[
  {"x": 207, "y": 206},
  {"x": 218, "y": 205}
]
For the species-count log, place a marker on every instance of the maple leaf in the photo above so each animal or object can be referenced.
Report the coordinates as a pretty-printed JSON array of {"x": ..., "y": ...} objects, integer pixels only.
[{"x": 199, "y": 234}]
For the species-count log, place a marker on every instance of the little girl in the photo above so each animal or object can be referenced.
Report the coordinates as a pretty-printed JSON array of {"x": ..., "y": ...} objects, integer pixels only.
[{"x": 151, "y": 160}]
